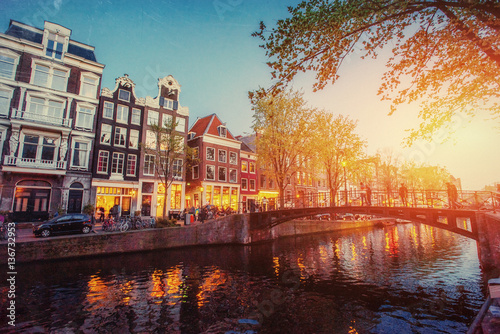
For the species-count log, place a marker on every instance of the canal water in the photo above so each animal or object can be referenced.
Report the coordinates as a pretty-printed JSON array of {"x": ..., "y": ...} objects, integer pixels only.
[{"x": 395, "y": 279}]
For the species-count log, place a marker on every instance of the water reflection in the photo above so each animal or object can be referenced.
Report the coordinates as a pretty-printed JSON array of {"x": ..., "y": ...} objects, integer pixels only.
[{"x": 406, "y": 278}]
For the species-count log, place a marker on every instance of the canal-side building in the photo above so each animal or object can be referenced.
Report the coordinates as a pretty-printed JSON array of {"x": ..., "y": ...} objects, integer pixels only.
[
  {"x": 249, "y": 194},
  {"x": 49, "y": 88},
  {"x": 216, "y": 179},
  {"x": 117, "y": 148},
  {"x": 163, "y": 109}
]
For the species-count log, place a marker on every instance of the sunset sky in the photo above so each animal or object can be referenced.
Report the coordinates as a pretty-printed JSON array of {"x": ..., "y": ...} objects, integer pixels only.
[{"x": 207, "y": 47}]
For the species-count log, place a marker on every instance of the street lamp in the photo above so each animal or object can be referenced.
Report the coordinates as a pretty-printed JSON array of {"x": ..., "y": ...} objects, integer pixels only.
[
  {"x": 345, "y": 182},
  {"x": 201, "y": 197}
]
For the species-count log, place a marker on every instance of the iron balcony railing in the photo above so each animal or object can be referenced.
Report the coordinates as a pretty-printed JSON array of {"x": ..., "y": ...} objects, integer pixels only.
[
  {"x": 40, "y": 118},
  {"x": 467, "y": 199},
  {"x": 33, "y": 163}
]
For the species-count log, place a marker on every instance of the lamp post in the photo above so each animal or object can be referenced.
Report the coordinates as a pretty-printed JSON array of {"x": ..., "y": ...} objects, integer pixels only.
[
  {"x": 201, "y": 197},
  {"x": 345, "y": 182}
]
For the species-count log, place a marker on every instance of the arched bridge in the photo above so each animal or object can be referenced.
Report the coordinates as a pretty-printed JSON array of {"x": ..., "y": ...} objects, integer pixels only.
[{"x": 463, "y": 222}]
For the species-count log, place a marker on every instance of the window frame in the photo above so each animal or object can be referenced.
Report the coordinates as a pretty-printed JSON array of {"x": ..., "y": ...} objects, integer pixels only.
[
  {"x": 195, "y": 176},
  {"x": 153, "y": 115},
  {"x": 235, "y": 155},
  {"x": 128, "y": 93},
  {"x": 207, "y": 156},
  {"x": 110, "y": 132},
  {"x": 231, "y": 170},
  {"x": 123, "y": 136},
  {"x": 224, "y": 169},
  {"x": 129, "y": 160},
  {"x": 13, "y": 55},
  {"x": 50, "y": 74},
  {"x": 245, "y": 185},
  {"x": 89, "y": 115},
  {"x": 135, "y": 144},
  {"x": 134, "y": 116},
  {"x": 86, "y": 159},
  {"x": 99, "y": 166},
  {"x": 250, "y": 181},
  {"x": 83, "y": 84},
  {"x": 104, "y": 109},
  {"x": 251, "y": 167},
  {"x": 122, "y": 110},
  {"x": 118, "y": 171},
  {"x": 224, "y": 156},
  {"x": 149, "y": 163},
  {"x": 207, "y": 174},
  {"x": 8, "y": 99},
  {"x": 244, "y": 166}
]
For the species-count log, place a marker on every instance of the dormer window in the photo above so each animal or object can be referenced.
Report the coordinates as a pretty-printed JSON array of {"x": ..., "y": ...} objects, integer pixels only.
[
  {"x": 55, "y": 45},
  {"x": 222, "y": 131},
  {"x": 191, "y": 135},
  {"x": 169, "y": 104},
  {"x": 55, "y": 40}
]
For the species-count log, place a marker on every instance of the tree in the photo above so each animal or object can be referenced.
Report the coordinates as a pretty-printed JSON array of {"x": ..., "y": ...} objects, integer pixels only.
[
  {"x": 446, "y": 54},
  {"x": 283, "y": 141},
  {"x": 336, "y": 143},
  {"x": 170, "y": 154}
]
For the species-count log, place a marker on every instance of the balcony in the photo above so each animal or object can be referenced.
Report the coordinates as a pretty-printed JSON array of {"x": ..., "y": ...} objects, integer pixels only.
[
  {"x": 41, "y": 119},
  {"x": 33, "y": 163}
]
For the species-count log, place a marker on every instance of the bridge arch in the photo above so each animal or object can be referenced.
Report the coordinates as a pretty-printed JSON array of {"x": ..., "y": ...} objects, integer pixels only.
[{"x": 462, "y": 222}]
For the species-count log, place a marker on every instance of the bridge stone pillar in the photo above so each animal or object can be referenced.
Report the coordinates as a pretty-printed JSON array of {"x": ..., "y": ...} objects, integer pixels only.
[{"x": 488, "y": 244}]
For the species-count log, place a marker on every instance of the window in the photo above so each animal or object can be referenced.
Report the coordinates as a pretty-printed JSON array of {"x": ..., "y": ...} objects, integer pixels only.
[
  {"x": 117, "y": 163},
  {"x": 222, "y": 156},
  {"x": 195, "y": 172},
  {"x": 131, "y": 164},
  {"x": 233, "y": 176},
  {"x": 153, "y": 117},
  {"x": 80, "y": 154},
  {"x": 252, "y": 167},
  {"x": 244, "y": 166},
  {"x": 244, "y": 184},
  {"x": 50, "y": 76},
  {"x": 262, "y": 181},
  {"x": 252, "y": 184},
  {"x": 134, "y": 139},
  {"x": 177, "y": 168},
  {"x": 210, "y": 172},
  {"x": 8, "y": 64},
  {"x": 106, "y": 130},
  {"x": 191, "y": 135},
  {"x": 196, "y": 153},
  {"x": 136, "y": 116},
  {"x": 5, "y": 97},
  {"x": 3, "y": 133},
  {"x": 122, "y": 114},
  {"x": 108, "y": 110},
  {"x": 222, "y": 174},
  {"x": 55, "y": 46},
  {"x": 149, "y": 164},
  {"x": 39, "y": 147},
  {"x": 211, "y": 153},
  {"x": 88, "y": 85},
  {"x": 120, "y": 136},
  {"x": 85, "y": 117},
  {"x": 233, "y": 158},
  {"x": 45, "y": 107},
  {"x": 271, "y": 184},
  {"x": 169, "y": 104},
  {"x": 150, "y": 139},
  {"x": 181, "y": 124},
  {"x": 124, "y": 95},
  {"x": 167, "y": 121},
  {"x": 222, "y": 131},
  {"x": 102, "y": 162}
]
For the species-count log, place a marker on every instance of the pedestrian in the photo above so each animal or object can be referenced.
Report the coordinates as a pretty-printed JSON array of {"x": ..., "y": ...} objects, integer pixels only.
[
  {"x": 203, "y": 214},
  {"x": 368, "y": 195},
  {"x": 403, "y": 193},
  {"x": 452, "y": 195},
  {"x": 363, "y": 194}
]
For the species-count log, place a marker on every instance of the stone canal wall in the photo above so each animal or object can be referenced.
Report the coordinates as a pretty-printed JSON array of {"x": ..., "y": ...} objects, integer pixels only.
[{"x": 233, "y": 229}]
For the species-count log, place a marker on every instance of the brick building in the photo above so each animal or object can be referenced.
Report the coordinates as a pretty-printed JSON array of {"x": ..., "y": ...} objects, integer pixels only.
[
  {"x": 216, "y": 179},
  {"x": 48, "y": 101}
]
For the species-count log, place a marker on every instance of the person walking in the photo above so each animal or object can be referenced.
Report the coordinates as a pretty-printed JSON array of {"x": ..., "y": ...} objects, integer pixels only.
[
  {"x": 452, "y": 195},
  {"x": 403, "y": 194},
  {"x": 368, "y": 195},
  {"x": 363, "y": 194}
]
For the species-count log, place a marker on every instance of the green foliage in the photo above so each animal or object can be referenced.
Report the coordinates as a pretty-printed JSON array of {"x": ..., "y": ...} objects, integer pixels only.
[
  {"x": 446, "y": 54},
  {"x": 164, "y": 222},
  {"x": 88, "y": 209}
]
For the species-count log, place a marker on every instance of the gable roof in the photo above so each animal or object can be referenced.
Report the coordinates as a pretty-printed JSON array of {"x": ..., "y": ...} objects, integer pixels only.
[{"x": 209, "y": 125}]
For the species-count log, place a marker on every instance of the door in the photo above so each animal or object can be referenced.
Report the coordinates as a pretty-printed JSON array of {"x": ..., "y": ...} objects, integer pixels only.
[
  {"x": 75, "y": 201},
  {"x": 31, "y": 204}
]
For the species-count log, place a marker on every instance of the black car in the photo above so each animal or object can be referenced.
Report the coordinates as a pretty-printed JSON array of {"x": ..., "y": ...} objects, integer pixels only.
[{"x": 65, "y": 224}]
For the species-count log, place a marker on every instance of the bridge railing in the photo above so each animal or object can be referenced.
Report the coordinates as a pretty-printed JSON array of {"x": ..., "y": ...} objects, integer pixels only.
[{"x": 439, "y": 199}]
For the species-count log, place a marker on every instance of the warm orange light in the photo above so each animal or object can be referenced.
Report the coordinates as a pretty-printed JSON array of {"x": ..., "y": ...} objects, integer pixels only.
[{"x": 344, "y": 163}]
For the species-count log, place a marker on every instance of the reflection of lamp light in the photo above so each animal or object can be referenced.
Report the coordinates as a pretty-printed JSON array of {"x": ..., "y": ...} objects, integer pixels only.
[
  {"x": 132, "y": 192},
  {"x": 344, "y": 163}
]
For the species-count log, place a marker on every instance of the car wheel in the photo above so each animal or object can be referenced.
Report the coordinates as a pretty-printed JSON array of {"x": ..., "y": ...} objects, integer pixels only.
[
  {"x": 45, "y": 233},
  {"x": 86, "y": 229}
]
